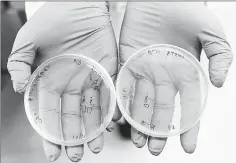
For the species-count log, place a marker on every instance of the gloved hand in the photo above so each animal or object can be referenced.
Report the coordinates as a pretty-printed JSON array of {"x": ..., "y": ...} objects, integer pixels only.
[
  {"x": 65, "y": 28},
  {"x": 189, "y": 26}
]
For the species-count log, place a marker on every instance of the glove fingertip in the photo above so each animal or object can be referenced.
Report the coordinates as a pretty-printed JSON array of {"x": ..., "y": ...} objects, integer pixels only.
[
  {"x": 218, "y": 82},
  {"x": 19, "y": 87},
  {"x": 189, "y": 148},
  {"x": 52, "y": 151},
  {"x": 96, "y": 145},
  {"x": 217, "y": 79},
  {"x": 20, "y": 74},
  {"x": 218, "y": 68},
  {"x": 110, "y": 127},
  {"x": 117, "y": 115},
  {"x": 75, "y": 154},
  {"x": 138, "y": 138}
]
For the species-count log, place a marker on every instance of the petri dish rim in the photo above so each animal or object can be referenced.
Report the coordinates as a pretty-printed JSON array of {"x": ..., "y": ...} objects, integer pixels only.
[
  {"x": 194, "y": 62},
  {"x": 107, "y": 79}
]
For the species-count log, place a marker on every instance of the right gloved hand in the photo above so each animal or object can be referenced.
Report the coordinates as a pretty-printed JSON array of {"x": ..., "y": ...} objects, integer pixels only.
[
  {"x": 65, "y": 28},
  {"x": 189, "y": 26}
]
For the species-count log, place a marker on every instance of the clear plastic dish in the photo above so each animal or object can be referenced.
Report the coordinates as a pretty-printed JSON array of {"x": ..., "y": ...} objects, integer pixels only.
[
  {"x": 70, "y": 99},
  {"x": 162, "y": 90}
]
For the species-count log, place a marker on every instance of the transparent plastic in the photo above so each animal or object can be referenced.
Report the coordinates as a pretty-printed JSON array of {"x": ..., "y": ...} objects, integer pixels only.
[
  {"x": 162, "y": 90},
  {"x": 70, "y": 99}
]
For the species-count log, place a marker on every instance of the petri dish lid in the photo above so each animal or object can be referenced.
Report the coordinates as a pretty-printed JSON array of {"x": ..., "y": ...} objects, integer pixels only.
[
  {"x": 162, "y": 90},
  {"x": 63, "y": 99}
]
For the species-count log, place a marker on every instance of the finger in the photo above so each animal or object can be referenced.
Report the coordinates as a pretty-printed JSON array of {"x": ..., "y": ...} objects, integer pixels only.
[
  {"x": 21, "y": 59},
  {"x": 217, "y": 49},
  {"x": 95, "y": 82},
  {"x": 111, "y": 65},
  {"x": 71, "y": 112},
  {"x": 104, "y": 95},
  {"x": 139, "y": 139},
  {"x": 75, "y": 153},
  {"x": 91, "y": 112},
  {"x": 105, "y": 105},
  {"x": 20, "y": 74},
  {"x": 156, "y": 145},
  {"x": 52, "y": 151},
  {"x": 110, "y": 127},
  {"x": 189, "y": 139},
  {"x": 190, "y": 95},
  {"x": 49, "y": 109},
  {"x": 71, "y": 122},
  {"x": 218, "y": 67},
  {"x": 164, "y": 106},
  {"x": 162, "y": 115},
  {"x": 117, "y": 114},
  {"x": 142, "y": 108}
]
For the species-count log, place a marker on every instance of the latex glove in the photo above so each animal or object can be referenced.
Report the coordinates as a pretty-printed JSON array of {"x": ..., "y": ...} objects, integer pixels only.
[
  {"x": 65, "y": 28},
  {"x": 189, "y": 26},
  {"x": 32, "y": 7}
]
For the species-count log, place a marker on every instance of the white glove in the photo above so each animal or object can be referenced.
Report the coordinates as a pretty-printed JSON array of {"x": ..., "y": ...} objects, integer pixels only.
[
  {"x": 189, "y": 26},
  {"x": 65, "y": 28}
]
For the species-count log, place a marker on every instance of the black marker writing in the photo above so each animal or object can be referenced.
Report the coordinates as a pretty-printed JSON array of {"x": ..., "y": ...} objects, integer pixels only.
[
  {"x": 82, "y": 135},
  {"x": 171, "y": 127},
  {"x": 46, "y": 68},
  {"x": 38, "y": 119},
  {"x": 153, "y": 51},
  {"x": 124, "y": 94},
  {"x": 174, "y": 54},
  {"x": 152, "y": 126},
  {"x": 77, "y": 61},
  {"x": 86, "y": 109},
  {"x": 75, "y": 137}
]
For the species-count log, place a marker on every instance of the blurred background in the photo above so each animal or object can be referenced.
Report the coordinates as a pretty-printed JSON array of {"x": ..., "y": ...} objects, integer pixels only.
[{"x": 216, "y": 142}]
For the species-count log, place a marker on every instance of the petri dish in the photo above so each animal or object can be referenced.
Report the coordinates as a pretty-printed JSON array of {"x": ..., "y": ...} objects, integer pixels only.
[
  {"x": 162, "y": 90},
  {"x": 70, "y": 99}
]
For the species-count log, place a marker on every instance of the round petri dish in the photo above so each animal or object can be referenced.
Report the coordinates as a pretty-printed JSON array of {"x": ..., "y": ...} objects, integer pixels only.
[
  {"x": 70, "y": 99},
  {"x": 162, "y": 90}
]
